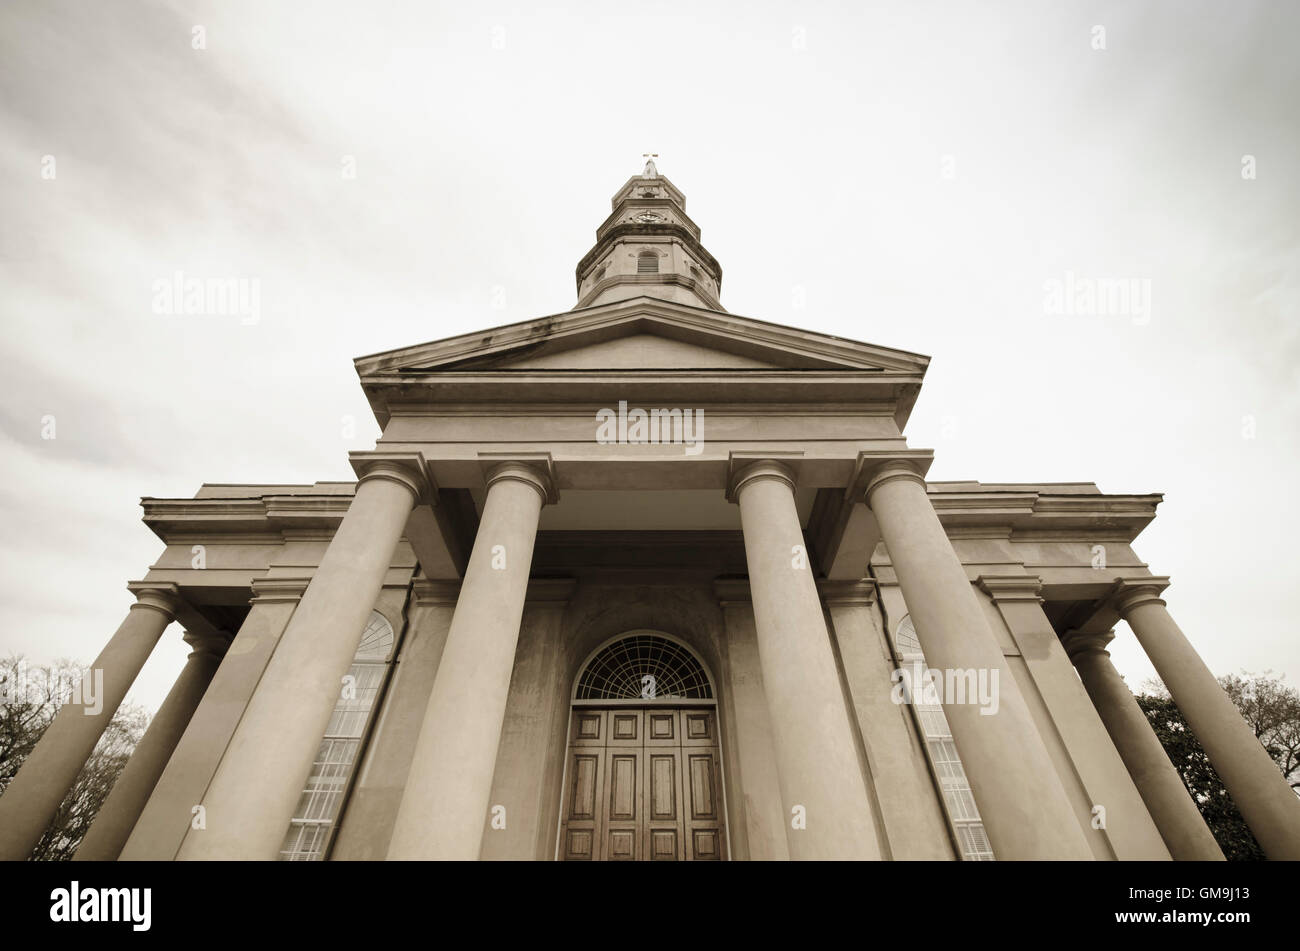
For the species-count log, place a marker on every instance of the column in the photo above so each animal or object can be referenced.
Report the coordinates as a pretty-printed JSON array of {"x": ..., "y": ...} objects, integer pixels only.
[
  {"x": 827, "y": 812},
  {"x": 1256, "y": 784},
  {"x": 447, "y": 791},
  {"x": 118, "y": 815},
  {"x": 527, "y": 784},
  {"x": 1166, "y": 798},
  {"x": 260, "y": 779},
  {"x": 34, "y": 795},
  {"x": 375, "y": 797},
  {"x": 760, "y": 805},
  {"x": 911, "y": 813},
  {"x": 168, "y": 814},
  {"x": 1020, "y": 797}
]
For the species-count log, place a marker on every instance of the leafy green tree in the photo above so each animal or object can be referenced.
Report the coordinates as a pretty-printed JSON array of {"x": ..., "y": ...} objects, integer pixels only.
[{"x": 30, "y": 696}]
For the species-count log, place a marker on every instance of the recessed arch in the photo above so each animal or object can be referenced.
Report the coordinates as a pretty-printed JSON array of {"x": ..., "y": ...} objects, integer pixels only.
[
  {"x": 643, "y": 776},
  {"x": 614, "y": 670}
]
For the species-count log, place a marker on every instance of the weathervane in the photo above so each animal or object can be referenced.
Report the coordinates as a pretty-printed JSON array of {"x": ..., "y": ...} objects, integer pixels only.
[{"x": 650, "y": 170}]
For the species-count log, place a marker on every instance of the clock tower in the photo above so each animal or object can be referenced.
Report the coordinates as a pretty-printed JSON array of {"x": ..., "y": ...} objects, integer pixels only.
[{"x": 648, "y": 247}]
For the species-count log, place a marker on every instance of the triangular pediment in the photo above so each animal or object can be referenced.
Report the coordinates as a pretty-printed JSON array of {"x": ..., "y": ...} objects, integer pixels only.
[
  {"x": 638, "y": 351},
  {"x": 641, "y": 334}
]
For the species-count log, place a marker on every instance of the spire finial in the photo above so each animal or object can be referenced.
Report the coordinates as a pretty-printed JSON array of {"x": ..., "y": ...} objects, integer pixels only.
[{"x": 650, "y": 170}]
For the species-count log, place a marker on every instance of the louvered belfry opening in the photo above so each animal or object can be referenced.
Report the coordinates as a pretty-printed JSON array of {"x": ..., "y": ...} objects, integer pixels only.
[
  {"x": 644, "y": 667},
  {"x": 647, "y": 262}
]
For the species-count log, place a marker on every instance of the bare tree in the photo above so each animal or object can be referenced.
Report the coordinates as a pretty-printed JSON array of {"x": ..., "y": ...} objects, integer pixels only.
[
  {"x": 30, "y": 696},
  {"x": 1273, "y": 711}
]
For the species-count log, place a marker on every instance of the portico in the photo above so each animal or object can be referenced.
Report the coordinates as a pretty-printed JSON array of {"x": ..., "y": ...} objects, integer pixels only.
[{"x": 585, "y": 648}]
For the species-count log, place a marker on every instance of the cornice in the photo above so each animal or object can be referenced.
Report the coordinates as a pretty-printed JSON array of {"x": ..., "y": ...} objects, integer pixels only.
[{"x": 835, "y": 351}]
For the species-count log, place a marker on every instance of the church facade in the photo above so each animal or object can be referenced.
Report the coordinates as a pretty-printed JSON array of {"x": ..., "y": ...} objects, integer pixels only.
[{"x": 647, "y": 580}]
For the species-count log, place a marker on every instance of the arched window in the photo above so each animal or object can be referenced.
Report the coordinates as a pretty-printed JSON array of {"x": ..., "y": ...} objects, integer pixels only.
[
  {"x": 599, "y": 275},
  {"x": 322, "y": 798},
  {"x": 643, "y": 667},
  {"x": 647, "y": 262},
  {"x": 937, "y": 736}
]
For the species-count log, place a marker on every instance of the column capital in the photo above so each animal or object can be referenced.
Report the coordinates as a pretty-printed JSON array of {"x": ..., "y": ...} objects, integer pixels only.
[
  {"x": 207, "y": 645},
  {"x": 161, "y": 596},
  {"x": 744, "y": 468},
  {"x": 407, "y": 469},
  {"x": 848, "y": 592},
  {"x": 1129, "y": 593},
  {"x": 278, "y": 589},
  {"x": 1011, "y": 587},
  {"x": 536, "y": 469},
  {"x": 876, "y": 466},
  {"x": 1078, "y": 644}
]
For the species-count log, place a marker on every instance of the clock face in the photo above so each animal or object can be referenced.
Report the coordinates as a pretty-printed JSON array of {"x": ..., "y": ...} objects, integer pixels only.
[{"x": 649, "y": 218}]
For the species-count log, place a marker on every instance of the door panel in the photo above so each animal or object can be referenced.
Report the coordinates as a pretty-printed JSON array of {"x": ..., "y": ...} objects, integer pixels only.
[
  {"x": 664, "y": 798},
  {"x": 623, "y": 803},
  {"x": 583, "y": 819},
  {"x": 643, "y": 784}
]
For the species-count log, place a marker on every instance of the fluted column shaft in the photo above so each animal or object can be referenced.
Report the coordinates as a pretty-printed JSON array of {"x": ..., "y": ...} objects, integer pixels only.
[
  {"x": 260, "y": 779},
  {"x": 828, "y": 814},
  {"x": 447, "y": 793},
  {"x": 118, "y": 815},
  {"x": 34, "y": 795},
  {"x": 1021, "y": 800},
  {"x": 1256, "y": 784}
]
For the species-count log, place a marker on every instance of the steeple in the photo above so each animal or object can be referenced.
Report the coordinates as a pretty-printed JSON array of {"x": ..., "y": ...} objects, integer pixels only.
[{"x": 648, "y": 247}]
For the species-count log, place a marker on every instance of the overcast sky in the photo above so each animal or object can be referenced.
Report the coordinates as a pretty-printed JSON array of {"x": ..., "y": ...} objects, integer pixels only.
[{"x": 909, "y": 174}]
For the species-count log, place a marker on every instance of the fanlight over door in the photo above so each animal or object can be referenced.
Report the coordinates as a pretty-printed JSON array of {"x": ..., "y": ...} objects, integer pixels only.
[
  {"x": 644, "y": 667},
  {"x": 643, "y": 778}
]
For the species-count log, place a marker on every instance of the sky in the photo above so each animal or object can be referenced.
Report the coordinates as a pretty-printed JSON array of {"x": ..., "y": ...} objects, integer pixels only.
[{"x": 933, "y": 177}]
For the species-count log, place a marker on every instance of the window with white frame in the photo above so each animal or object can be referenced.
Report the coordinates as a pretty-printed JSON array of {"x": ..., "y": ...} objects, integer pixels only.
[
  {"x": 951, "y": 776},
  {"x": 327, "y": 784}
]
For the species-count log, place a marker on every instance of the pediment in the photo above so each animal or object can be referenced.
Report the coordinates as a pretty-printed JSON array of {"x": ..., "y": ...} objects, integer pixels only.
[
  {"x": 637, "y": 351},
  {"x": 641, "y": 334}
]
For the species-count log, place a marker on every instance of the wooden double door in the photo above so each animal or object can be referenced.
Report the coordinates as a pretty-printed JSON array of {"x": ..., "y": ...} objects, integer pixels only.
[{"x": 643, "y": 784}]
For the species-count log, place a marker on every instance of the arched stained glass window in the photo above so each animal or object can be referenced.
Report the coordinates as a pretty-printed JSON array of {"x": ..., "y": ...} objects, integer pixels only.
[
  {"x": 322, "y": 797},
  {"x": 644, "y": 667}
]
